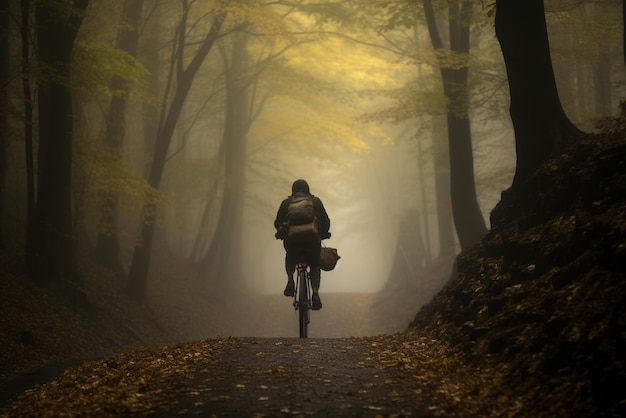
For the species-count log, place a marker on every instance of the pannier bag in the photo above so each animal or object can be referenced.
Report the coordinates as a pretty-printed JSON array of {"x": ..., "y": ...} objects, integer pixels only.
[{"x": 328, "y": 258}]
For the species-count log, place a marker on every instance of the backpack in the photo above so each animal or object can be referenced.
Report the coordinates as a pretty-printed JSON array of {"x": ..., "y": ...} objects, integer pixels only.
[{"x": 302, "y": 224}]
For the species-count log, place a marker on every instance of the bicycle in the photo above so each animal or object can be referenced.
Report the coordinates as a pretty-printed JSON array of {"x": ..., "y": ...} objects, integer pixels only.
[{"x": 302, "y": 297}]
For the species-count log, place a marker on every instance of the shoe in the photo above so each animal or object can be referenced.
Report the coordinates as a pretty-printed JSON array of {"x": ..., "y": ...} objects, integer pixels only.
[
  {"x": 290, "y": 289},
  {"x": 317, "y": 302}
]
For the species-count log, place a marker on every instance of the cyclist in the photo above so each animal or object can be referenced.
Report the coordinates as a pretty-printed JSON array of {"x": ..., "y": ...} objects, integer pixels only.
[{"x": 311, "y": 249}]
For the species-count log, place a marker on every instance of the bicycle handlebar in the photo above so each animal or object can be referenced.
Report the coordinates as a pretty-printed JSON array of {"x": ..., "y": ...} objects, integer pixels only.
[{"x": 280, "y": 235}]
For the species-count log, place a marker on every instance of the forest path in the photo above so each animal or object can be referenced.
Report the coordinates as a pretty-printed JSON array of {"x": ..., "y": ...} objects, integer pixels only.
[
  {"x": 260, "y": 377},
  {"x": 297, "y": 377}
]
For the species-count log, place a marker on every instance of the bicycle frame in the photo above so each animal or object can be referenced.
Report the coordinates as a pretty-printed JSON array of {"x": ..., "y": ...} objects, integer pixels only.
[{"x": 302, "y": 297}]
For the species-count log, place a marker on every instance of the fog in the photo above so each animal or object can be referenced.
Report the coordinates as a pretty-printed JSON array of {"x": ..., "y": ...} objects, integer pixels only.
[
  {"x": 364, "y": 231},
  {"x": 354, "y": 105}
]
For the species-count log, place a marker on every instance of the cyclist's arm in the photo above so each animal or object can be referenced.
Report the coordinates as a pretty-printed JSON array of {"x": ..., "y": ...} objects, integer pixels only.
[
  {"x": 323, "y": 218},
  {"x": 281, "y": 214},
  {"x": 280, "y": 218}
]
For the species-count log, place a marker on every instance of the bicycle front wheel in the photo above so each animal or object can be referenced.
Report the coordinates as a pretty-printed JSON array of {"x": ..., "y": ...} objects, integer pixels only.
[{"x": 303, "y": 305}]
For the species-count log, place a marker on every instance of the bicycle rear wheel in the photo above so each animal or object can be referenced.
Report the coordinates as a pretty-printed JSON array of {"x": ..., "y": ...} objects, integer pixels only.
[{"x": 303, "y": 305}]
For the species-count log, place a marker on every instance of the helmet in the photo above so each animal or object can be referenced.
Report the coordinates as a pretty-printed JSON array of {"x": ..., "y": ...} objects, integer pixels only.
[{"x": 299, "y": 186}]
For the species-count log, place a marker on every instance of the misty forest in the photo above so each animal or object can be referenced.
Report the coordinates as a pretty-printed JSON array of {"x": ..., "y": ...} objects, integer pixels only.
[{"x": 471, "y": 156}]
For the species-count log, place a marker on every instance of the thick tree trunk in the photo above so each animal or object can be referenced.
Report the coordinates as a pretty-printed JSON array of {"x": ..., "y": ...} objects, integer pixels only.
[
  {"x": 468, "y": 219},
  {"x": 602, "y": 84},
  {"x": 140, "y": 265},
  {"x": 53, "y": 255},
  {"x": 107, "y": 244},
  {"x": 539, "y": 122}
]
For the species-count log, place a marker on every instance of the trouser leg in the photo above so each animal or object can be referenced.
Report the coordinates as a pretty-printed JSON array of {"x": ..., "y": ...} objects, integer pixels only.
[
  {"x": 290, "y": 265},
  {"x": 315, "y": 278},
  {"x": 314, "y": 259},
  {"x": 314, "y": 265}
]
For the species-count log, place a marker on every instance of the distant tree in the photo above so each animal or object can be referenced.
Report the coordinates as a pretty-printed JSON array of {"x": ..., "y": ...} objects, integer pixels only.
[
  {"x": 228, "y": 238},
  {"x": 244, "y": 102},
  {"x": 585, "y": 47},
  {"x": 539, "y": 122},
  {"x": 453, "y": 159},
  {"x": 51, "y": 251},
  {"x": 182, "y": 78},
  {"x": 149, "y": 57},
  {"x": 128, "y": 36}
]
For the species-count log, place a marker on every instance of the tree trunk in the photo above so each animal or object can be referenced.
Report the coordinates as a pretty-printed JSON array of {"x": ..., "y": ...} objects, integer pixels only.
[
  {"x": 410, "y": 256},
  {"x": 140, "y": 265},
  {"x": 602, "y": 84},
  {"x": 425, "y": 222},
  {"x": 539, "y": 122},
  {"x": 624, "y": 31},
  {"x": 468, "y": 219},
  {"x": 4, "y": 101},
  {"x": 200, "y": 242},
  {"x": 151, "y": 43},
  {"x": 53, "y": 255},
  {"x": 445, "y": 226},
  {"x": 28, "y": 126},
  {"x": 107, "y": 244}
]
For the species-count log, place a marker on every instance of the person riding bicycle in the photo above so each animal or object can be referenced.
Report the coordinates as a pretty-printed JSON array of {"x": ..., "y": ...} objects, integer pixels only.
[{"x": 310, "y": 249}]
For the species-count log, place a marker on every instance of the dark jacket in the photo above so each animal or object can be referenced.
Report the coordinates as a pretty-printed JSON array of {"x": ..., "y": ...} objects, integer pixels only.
[{"x": 320, "y": 212}]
